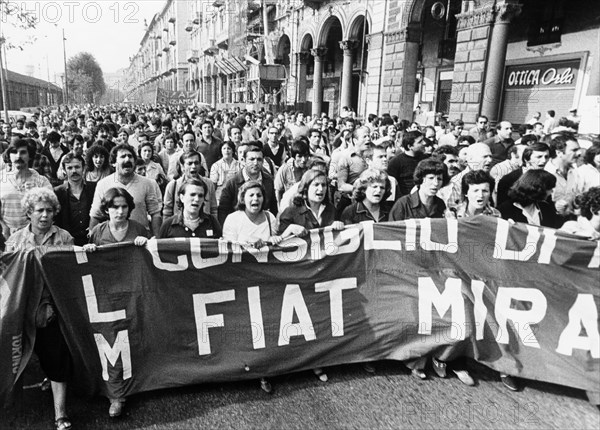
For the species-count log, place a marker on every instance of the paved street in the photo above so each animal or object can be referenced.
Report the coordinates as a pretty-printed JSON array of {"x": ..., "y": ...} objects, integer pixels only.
[{"x": 391, "y": 398}]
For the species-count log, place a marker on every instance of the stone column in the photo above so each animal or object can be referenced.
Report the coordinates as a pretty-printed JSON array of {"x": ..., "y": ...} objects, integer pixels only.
[
  {"x": 317, "y": 103},
  {"x": 302, "y": 60},
  {"x": 348, "y": 47},
  {"x": 412, "y": 36},
  {"x": 492, "y": 89}
]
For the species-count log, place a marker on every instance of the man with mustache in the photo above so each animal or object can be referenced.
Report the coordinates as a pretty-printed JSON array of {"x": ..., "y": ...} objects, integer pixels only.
[
  {"x": 75, "y": 197},
  {"x": 145, "y": 192},
  {"x": 15, "y": 183}
]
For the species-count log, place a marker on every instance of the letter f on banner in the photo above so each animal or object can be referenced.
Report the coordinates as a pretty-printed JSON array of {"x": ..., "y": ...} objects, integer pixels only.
[{"x": 205, "y": 321}]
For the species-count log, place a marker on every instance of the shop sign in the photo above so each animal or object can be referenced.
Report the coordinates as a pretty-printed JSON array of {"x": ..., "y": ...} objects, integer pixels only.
[{"x": 561, "y": 74}]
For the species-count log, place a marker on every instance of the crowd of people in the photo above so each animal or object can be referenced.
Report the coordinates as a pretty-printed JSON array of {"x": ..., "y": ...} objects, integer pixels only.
[{"x": 91, "y": 176}]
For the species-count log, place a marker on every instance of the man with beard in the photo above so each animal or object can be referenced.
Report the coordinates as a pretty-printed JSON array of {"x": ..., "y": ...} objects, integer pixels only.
[
  {"x": 535, "y": 156},
  {"x": 479, "y": 157},
  {"x": 191, "y": 164},
  {"x": 14, "y": 184},
  {"x": 403, "y": 165},
  {"x": 145, "y": 192},
  {"x": 449, "y": 155},
  {"x": 75, "y": 197},
  {"x": 252, "y": 171}
]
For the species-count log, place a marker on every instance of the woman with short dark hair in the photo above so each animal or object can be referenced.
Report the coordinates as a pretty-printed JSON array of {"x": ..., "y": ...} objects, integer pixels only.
[
  {"x": 118, "y": 204},
  {"x": 430, "y": 175},
  {"x": 528, "y": 200},
  {"x": 476, "y": 187}
]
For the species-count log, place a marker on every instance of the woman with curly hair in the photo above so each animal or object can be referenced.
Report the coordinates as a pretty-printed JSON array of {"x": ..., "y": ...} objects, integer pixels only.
[
  {"x": 370, "y": 189},
  {"x": 528, "y": 200},
  {"x": 96, "y": 164},
  {"x": 588, "y": 222},
  {"x": 41, "y": 206}
]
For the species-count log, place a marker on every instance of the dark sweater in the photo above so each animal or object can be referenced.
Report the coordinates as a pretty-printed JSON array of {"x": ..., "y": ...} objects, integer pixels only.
[{"x": 402, "y": 167}]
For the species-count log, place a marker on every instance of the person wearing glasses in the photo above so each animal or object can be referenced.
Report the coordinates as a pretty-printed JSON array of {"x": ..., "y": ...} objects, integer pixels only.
[{"x": 479, "y": 132}]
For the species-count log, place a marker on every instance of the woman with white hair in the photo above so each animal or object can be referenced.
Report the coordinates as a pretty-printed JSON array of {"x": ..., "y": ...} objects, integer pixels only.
[{"x": 41, "y": 207}]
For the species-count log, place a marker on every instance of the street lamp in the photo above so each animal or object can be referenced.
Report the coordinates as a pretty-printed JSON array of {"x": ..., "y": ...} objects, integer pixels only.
[{"x": 65, "y": 61}]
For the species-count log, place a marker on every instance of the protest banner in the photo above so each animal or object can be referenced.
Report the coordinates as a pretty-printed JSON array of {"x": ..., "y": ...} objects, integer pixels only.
[
  {"x": 20, "y": 293},
  {"x": 520, "y": 299},
  {"x": 168, "y": 96}
]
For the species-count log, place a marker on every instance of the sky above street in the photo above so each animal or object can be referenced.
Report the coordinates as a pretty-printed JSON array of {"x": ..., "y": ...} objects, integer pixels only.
[{"x": 110, "y": 30}]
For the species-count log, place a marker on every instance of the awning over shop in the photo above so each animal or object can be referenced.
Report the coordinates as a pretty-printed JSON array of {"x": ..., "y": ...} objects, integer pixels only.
[{"x": 231, "y": 65}]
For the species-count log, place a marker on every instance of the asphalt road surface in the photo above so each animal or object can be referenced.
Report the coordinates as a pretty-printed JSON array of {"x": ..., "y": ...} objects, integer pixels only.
[{"x": 389, "y": 399}]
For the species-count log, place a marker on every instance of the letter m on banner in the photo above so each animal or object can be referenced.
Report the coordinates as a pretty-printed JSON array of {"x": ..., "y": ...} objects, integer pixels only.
[{"x": 110, "y": 354}]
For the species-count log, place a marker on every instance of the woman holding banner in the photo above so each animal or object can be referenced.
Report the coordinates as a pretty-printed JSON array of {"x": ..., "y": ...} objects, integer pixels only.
[
  {"x": 430, "y": 175},
  {"x": 370, "y": 190},
  {"x": 41, "y": 206},
  {"x": 253, "y": 225},
  {"x": 118, "y": 204},
  {"x": 310, "y": 209}
]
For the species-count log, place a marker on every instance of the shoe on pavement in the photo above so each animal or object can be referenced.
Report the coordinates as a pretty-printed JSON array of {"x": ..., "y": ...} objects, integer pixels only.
[
  {"x": 419, "y": 373},
  {"x": 265, "y": 386},
  {"x": 464, "y": 377},
  {"x": 439, "y": 367},
  {"x": 368, "y": 367},
  {"x": 116, "y": 407},
  {"x": 320, "y": 374},
  {"x": 509, "y": 382}
]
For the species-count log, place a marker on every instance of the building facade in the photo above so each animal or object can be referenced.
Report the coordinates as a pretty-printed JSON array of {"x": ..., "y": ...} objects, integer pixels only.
[
  {"x": 505, "y": 59},
  {"x": 26, "y": 91},
  {"x": 161, "y": 59}
]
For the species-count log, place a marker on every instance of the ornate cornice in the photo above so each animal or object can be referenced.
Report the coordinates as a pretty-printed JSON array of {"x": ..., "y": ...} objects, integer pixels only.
[
  {"x": 409, "y": 34},
  {"x": 475, "y": 18},
  {"x": 501, "y": 14}
]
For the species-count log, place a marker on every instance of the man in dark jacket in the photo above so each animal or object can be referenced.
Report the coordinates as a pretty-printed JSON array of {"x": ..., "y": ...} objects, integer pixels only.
[
  {"x": 253, "y": 171},
  {"x": 75, "y": 197}
]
